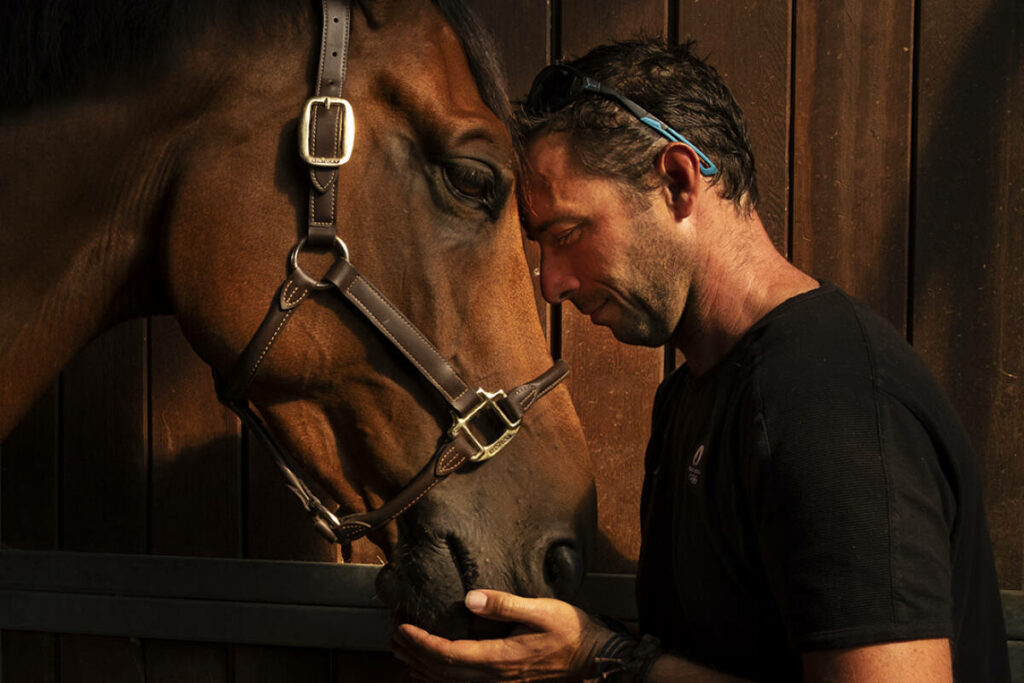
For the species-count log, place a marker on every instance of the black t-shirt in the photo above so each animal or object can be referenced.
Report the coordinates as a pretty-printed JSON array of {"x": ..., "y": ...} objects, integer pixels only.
[{"x": 814, "y": 490}]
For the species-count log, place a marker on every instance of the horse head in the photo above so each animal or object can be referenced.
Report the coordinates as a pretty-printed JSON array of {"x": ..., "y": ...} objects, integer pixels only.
[{"x": 207, "y": 197}]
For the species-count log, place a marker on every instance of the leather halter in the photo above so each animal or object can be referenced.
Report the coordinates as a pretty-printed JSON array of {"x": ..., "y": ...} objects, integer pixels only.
[{"x": 483, "y": 422}]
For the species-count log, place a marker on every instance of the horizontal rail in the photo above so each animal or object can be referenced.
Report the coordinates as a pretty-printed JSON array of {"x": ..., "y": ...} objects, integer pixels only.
[
  {"x": 302, "y": 604},
  {"x": 268, "y": 602}
]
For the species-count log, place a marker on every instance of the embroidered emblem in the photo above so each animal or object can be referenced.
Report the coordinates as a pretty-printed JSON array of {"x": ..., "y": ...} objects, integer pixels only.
[{"x": 694, "y": 469}]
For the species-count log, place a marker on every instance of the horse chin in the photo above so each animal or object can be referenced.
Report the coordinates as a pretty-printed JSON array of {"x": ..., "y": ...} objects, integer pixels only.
[
  {"x": 449, "y": 619},
  {"x": 425, "y": 585},
  {"x": 419, "y": 599}
]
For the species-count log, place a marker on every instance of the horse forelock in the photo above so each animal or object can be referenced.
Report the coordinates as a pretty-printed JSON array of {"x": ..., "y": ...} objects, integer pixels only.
[{"x": 482, "y": 55}]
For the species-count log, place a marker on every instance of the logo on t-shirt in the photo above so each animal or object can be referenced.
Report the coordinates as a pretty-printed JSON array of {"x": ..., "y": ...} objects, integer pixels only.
[{"x": 694, "y": 469}]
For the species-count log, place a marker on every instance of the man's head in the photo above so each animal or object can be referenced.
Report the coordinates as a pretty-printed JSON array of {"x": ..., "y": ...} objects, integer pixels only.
[
  {"x": 629, "y": 161},
  {"x": 681, "y": 90}
]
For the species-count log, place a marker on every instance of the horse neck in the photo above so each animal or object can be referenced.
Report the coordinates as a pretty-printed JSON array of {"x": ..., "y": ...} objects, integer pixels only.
[{"x": 85, "y": 186}]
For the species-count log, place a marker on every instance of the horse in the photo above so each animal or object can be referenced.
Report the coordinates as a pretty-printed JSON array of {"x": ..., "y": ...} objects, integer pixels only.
[{"x": 149, "y": 165}]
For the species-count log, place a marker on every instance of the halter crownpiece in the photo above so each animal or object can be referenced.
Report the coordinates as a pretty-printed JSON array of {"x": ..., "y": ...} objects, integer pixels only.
[{"x": 483, "y": 422}]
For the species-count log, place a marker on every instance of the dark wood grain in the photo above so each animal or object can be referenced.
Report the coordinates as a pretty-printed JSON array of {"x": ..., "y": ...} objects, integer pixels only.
[
  {"x": 749, "y": 43},
  {"x": 169, "y": 661},
  {"x": 281, "y": 664},
  {"x": 851, "y": 160},
  {"x": 520, "y": 30},
  {"x": 968, "y": 286},
  {"x": 586, "y": 24},
  {"x": 97, "y": 659}
]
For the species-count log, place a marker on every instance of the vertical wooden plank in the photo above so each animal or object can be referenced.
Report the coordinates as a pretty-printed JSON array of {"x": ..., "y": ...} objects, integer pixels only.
[
  {"x": 280, "y": 664},
  {"x": 612, "y": 385},
  {"x": 29, "y": 461},
  {"x": 95, "y": 659},
  {"x": 748, "y": 42},
  {"x": 196, "y": 487},
  {"x": 851, "y": 148},
  {"x": 380, "y": 667},
  {"x": 29, "y": 478},
  {"x": 105, "y": 444},
  {"x": 168, "y": 661},
  {"x": 104, "y": 481},
  {"x": 968, "y": 304},
  {"x": 587, "y": 24},
  {"x": 521, "y": 35},
  {"x": 195, "y": 502}
]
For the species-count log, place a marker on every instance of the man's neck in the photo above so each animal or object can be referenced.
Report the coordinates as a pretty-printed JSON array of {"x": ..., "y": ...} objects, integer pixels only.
[{"x": 743, "y": 278}]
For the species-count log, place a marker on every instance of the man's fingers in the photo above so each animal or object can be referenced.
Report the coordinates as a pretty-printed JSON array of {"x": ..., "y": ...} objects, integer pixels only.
[{"x": 433, "y": 650}]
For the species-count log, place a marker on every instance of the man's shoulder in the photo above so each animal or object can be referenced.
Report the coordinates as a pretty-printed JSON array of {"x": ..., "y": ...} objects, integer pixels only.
[{"x": 824, "y": 335}]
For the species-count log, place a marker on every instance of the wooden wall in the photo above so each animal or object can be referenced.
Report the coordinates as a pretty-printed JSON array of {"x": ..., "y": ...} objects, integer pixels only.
[{"x": 887, "y": 136}]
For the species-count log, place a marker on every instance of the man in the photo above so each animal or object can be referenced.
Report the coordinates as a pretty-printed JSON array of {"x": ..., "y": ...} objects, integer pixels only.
[{"x": 811, "y": 507}]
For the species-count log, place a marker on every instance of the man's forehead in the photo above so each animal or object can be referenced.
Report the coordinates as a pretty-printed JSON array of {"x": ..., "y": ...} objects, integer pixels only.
[{"x": 549, "y": 164}]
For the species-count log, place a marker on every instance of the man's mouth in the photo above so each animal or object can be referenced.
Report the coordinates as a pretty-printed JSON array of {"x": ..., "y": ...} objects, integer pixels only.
[{"x": 595, "y": 311}]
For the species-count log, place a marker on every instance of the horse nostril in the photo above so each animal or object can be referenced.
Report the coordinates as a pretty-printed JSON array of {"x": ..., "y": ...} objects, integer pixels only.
[{"x": 563, "y": 570}]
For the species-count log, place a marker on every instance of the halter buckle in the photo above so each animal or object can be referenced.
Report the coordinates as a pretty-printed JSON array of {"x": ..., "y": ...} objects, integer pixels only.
[
  {"x": 348, "y": 131},
  {"x": 486, "y": 451}
]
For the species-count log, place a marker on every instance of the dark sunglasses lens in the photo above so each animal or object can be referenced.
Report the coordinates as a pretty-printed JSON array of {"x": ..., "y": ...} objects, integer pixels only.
[{"x": 553, "y": 88}]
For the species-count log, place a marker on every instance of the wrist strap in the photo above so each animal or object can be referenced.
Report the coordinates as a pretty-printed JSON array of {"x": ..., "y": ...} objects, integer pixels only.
[{"x": 624, "y": 659}]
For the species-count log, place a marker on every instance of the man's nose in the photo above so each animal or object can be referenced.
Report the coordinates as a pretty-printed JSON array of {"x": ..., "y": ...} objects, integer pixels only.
[{"x": 557, "y": 283}]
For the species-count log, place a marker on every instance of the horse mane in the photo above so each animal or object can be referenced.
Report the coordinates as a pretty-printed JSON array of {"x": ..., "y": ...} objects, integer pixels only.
[{"x": 51, "y": 48}]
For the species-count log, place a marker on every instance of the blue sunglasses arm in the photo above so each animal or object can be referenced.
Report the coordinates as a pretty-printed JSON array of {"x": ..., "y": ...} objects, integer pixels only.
[{"x": 707, "y": 167}]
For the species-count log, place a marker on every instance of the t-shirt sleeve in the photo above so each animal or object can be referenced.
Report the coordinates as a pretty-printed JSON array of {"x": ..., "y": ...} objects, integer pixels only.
[{"x": 852, "y": 512}]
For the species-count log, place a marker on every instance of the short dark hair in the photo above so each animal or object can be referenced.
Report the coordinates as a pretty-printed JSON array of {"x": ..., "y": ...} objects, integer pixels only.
[{"x": 673, "y": 84}]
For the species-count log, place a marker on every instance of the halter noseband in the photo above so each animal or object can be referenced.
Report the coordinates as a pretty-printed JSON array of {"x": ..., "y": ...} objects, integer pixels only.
[{"x": 483, "y": 422}]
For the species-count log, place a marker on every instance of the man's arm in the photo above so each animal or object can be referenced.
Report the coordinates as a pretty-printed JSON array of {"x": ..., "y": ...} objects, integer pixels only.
[
  {"x": 913, "y": 660},
  {"x": 905, "y": 662},
  {"x": 556, "y": 640}
]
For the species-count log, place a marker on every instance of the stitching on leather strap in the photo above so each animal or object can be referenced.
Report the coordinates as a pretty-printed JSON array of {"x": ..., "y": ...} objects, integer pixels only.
[
  {"x": 396, "y": 342},
  {"x": 259, "y": 360},
  {"x": 384, "y": 300},
  {"x": 450, "y": 455},
  {"x": 542, "y": 393},
  {"x": 417, "y": 498},
  {"x": 323, "y": 45},
  {"x": 287, "y": 298}
]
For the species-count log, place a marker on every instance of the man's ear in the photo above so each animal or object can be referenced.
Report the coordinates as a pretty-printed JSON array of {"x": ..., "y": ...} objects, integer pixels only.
[{"x": 679, "y": 167}]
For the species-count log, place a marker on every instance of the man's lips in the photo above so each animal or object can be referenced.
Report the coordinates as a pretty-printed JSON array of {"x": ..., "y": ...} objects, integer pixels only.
[{"x": 594, "y": 310}]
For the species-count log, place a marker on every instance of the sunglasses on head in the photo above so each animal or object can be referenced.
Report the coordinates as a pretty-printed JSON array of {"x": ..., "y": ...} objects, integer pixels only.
[{"x": 558, "y": 85}]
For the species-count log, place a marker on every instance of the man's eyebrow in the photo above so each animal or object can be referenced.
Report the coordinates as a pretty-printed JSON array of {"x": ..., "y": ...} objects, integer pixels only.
[{"x": 533, "y": 232}]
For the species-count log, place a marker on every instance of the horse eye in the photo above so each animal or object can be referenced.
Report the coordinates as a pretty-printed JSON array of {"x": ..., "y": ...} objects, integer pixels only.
[{"x": 470, "y": 180}]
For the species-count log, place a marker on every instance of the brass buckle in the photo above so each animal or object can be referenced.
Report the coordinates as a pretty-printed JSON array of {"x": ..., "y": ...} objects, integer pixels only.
[
  {"x": 486, "y": 451},
  {"x": 348, "y": 131}
]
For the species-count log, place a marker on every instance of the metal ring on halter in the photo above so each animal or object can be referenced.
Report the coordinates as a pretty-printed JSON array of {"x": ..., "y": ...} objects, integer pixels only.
[{"x": 340, "y": 248}]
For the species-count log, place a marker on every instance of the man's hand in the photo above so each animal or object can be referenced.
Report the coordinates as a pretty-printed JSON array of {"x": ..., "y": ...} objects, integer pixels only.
[{"x": 553, "y": 640}]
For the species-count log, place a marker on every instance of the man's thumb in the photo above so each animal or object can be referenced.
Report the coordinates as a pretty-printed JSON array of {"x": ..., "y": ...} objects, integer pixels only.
[
  {"x": 496, "y": 605},
  {"x": 476, "y": 601}
]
